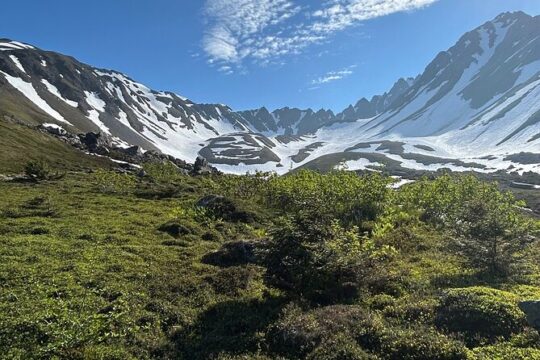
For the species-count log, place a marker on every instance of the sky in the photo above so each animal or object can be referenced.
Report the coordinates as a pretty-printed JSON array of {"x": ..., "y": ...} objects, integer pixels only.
[{"x": 252, "y": 53}]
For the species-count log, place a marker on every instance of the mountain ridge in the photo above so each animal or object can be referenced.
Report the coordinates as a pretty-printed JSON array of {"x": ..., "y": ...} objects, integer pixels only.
[{"x": 476, "y": 100}]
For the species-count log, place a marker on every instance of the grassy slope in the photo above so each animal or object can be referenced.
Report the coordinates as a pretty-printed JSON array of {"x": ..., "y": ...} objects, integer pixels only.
[
  {"x": 108, "y": 278},
  {"x": 88, "y": 275},
  {"x": 19, "y": 144}
]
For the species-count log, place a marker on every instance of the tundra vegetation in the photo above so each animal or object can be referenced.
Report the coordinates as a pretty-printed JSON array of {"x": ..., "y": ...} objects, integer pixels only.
[{"x": 108, "y": 265}]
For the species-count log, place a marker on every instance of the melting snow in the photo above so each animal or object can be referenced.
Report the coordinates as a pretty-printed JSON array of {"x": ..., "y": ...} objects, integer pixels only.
[
  {"x": 53, "y": 90},
  {"x": 17, "y": 63},
  {"x": 27, "y": 89}
]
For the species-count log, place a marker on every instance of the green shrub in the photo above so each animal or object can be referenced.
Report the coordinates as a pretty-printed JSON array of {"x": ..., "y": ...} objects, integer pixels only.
[
  {"x": 39, "y": 171},
  {"x": 411, "y": 309},
  {"x": 164, "y": 172},
  {"x": 487, "y": 224},
  {"x": 341, "y": 195},
  {"x": 298, "y": 334},
  {"x": 504, "y": 352},
  {"x": 339, "y": 347},
  {"x": 420, "y": 344},
  {"x": 323, "y": 263},
  {"x": 480, "y": 313}
]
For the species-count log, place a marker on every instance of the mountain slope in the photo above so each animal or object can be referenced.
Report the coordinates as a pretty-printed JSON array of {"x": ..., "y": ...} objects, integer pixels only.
[{"x": 476, "y": 105}]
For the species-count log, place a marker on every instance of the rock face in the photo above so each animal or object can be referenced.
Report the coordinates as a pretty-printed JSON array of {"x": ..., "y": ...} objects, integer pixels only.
[
  {"x": 201, "y": 167},
  {"x": 96, "y": 142},
  {"x": 532, "y": 310}
]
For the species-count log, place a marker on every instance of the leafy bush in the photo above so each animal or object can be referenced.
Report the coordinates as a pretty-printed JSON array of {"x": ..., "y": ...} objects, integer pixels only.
[
  {"x": 39, "y": 171},
  {"x": 163, "y": 172},
  {"x": 346, "y": 330},
  {"x": 338, "y": 195},
  {"x": 504, "y": 352},
  {"x": 480, "y": 313},
  {"x": 411, "y": 310},
  {"x": 420, "y": 344},
  {"x": 298, "y": 334},
  {"x": 339, "y": 347},
  {"x": 323, "y": 263},
  {"x": 487, "y": 223}
]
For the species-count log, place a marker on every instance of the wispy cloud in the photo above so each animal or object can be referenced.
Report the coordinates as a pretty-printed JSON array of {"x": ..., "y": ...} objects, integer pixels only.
[
  {"x": 333, "y": 76},
  {"x": 264, "y": 30}
]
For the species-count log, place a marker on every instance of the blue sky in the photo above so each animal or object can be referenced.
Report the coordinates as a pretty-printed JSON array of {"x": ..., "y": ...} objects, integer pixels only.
[{"x": 251, "y": 53}]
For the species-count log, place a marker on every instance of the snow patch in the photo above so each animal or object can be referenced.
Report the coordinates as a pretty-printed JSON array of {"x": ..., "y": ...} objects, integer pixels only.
[
  {"x": 27, "y": 89},
  {"x": 17, "y": 63},
  {"x": 53, "y": 90}
]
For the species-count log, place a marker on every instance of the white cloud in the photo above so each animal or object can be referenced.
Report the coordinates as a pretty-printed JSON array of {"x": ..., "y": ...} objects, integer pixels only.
[
  {"x": 264, "y": 30},
  {"x": 333, "y": 76}
]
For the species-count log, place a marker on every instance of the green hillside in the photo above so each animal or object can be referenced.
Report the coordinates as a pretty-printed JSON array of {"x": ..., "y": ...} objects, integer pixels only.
[{"x": 20, "y": 144}]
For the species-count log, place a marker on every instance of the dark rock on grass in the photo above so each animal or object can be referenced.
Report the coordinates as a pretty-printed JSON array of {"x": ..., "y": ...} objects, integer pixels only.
[
  {"x": 202, "y": 167},
  {"x": 233, "y": 254},
  {"x": 175, "y": 229},
  {"x": 96, "y": 142},
  {"x": 532, "y": 311},
  {"x": 226, "y": 209}
]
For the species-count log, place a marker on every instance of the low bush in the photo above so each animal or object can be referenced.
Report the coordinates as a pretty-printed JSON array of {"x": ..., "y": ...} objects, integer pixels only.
[
  {"x": 299, "y": 333},
  {"x": 420, "y": 344},
  {"x": 324, "y": 263},
  {"x": 234, "y": 254},
  {"x": 504, "y": 352},
  {"x": 234, "y": 280},
  {"x": 339, "y": 347},
  {"x": 480, "y": 313},
  {"x": 39, "y": 171}
]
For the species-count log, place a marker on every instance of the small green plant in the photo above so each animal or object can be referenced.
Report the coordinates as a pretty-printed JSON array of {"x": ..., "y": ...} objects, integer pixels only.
[
  {"x": 111, "y": 182},
  {"x": 165, "y": 172},
  {"x": 40, "y": 171},
  {"x": 196, "y": 213}
]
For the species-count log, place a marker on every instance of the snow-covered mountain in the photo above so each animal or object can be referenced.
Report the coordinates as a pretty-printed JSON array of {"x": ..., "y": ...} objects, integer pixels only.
[{"x": 476, "y": 105}]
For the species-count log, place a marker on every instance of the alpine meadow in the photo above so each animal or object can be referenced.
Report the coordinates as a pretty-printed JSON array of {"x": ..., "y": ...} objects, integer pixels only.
[{"x": 140, "y": 224}]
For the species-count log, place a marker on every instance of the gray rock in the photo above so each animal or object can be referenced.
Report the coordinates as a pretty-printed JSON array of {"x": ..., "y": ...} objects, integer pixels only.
[
  {"x": 532, "y": 310},
  {"x": 202, "y": 167},
  {"x": 54, "y": 130},
  {"x": 96, "y": 142}
]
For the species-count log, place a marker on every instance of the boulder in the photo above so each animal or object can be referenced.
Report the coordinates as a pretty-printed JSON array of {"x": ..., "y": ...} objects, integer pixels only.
[
  {"x": 96, "y": 143},
  {"x": 532, "y": 311},
  {"x": 201, "y": 167},
  {"x": 132, "y": 151},
  {"x": 53, "y": 129}
]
